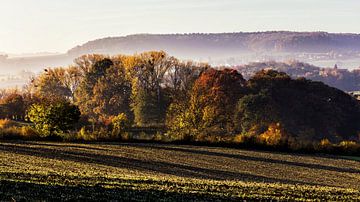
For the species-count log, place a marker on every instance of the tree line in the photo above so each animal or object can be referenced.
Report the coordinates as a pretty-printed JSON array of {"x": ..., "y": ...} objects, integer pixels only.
[{"x": 187, "y": 100}]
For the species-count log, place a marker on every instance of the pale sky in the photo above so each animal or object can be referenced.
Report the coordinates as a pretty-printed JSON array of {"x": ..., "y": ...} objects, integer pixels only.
[{"x": 58, "y": 25}]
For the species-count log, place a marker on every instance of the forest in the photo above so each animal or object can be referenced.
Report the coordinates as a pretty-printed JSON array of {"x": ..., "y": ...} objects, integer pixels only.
[{"x": 156, "y": 97}]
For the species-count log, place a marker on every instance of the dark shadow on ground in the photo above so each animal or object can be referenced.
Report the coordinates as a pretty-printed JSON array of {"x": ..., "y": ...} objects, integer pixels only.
[
  {"x": 250, "y": 158},
  {"x": 22, "y": 191},
  {"x": 175, "y": 169}
]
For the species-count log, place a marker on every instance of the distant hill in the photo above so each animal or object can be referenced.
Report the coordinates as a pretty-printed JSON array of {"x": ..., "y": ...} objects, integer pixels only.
[
  {"x": 224, "y": 44},
  {"x": 231, "y": 49}
]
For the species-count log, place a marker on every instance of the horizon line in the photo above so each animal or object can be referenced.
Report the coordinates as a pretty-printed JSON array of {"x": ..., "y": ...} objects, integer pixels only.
[{"x": 2, "y": 52}]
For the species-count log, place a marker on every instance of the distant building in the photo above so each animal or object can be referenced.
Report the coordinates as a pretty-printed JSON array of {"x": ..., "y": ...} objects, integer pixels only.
[{"x": 355, "y": 94}]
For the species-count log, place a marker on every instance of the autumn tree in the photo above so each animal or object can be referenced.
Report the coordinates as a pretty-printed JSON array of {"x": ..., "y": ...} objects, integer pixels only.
[
  {"x": 149, "y": 102},
  {"x": 306, "y": 110},
  {"x": 12, "y": 106},
  {"x": 87, "y": 62},
  {"x": 179, "y": 81},
  {"x": 213, "y": 98},
  {"x": 180, "y": 77},
  {"x": 58, "y": 84},
  {"x": 85, "y": 93},
  {"x": 112, "y": 93}
]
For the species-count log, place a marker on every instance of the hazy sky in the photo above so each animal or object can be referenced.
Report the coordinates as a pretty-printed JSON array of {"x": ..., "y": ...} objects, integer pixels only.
[{"x": 58, "y": 25}]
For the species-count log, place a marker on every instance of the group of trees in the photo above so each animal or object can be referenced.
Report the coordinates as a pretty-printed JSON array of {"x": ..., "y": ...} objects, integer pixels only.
[
  {"x": 305, "y": 110},
  {"x": 344, "y": 79},
  {"x": 187, "y": 99},
  {"x": 140, "y": 87},
  {"x": 222, "y": 103}
]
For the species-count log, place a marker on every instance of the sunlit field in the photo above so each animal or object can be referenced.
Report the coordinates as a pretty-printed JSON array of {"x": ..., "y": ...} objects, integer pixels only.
[{"x": 124, "y": 171}]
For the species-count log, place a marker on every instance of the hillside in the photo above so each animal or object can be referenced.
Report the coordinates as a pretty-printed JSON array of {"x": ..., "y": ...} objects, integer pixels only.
[
  {"x": 231, "y": 49},
  {"x": 65, "y": 171},
  {"x": 225, "y": 44}
]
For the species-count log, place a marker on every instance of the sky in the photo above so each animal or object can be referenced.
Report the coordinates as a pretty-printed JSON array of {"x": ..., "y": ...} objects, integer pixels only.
[{"x": 30, "y": 26}]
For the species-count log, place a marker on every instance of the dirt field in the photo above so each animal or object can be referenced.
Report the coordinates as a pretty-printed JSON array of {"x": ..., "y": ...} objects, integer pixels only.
[{"x": 143, "y": 172}]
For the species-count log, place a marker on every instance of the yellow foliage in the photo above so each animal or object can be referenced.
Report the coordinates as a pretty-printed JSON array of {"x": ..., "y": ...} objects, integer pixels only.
[
  {"x": 9, "y": 129},
  {"x": 239, "y": 138},
  {"x": 209, "y": 114},
  {"x": 349, "y": 146},
  {"x": 274, "y": 135},
  {"x": 28, "y": 132},
  {"x": 325, "y": 143},
  {"x": 99, "y": 134}
]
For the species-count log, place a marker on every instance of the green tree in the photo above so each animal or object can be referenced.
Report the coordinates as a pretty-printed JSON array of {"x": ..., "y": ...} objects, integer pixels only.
[
  {"x": 53, "y": 119},
  {"x": 149, "y": 101},
  {"x": 254, "y": 113}
]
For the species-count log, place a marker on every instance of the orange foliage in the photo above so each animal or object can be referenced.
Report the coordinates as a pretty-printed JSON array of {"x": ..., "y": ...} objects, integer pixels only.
[
  {"x": 274, "y": 136},
  {"x": 220, "y": 86},
  {"x": 213, "y": 99}
]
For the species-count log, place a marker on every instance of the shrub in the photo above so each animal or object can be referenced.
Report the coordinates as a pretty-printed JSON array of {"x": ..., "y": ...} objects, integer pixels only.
[
  {"x": 120, "y": 123},
  {"x": 274, "y": 136},
  {"x": 11, "y": 132},
  {"x": 349, "y": 147},
  {"x": 82, "y": 134},
  {"x": 239, "y": 139},
  {"x": 325, "y": 145},
  {"x": 53, "y": 119},
  {"x": 29, "y": 133},
  {"x": 245, "y": 139},
  {"x": 18, "y": 132}
]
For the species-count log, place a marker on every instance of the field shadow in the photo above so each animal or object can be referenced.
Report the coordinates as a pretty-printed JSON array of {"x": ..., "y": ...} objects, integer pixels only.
[
  {"x": 174, "y": 169},
  {"x": 251, "y": 158},
  {"x": 40, "y": 192}
]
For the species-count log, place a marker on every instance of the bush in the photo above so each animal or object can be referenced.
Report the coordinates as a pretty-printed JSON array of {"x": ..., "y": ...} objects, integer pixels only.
[
  {"x": 98, "y": 134},
  {"x": 119, "y": 124},
  {"x": 13, "y": 130},
  {"x": 29, "y": 133},
  {"x": 53, "y": 119},
  {"x": 82, "y": 134},
  {"x": 274, "y": 136},
  {"x": 325, "y": 145},
  {"x": 245, "y": 139},
  {"x": 349, "y": 147}
]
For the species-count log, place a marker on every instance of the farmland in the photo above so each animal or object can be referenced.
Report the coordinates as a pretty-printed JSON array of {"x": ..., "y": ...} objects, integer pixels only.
[{"x": 139, "y": 171}]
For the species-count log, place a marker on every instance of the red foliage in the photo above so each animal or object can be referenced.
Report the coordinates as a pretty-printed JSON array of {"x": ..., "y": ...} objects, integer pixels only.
[{"x": 220, "y": 86}]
